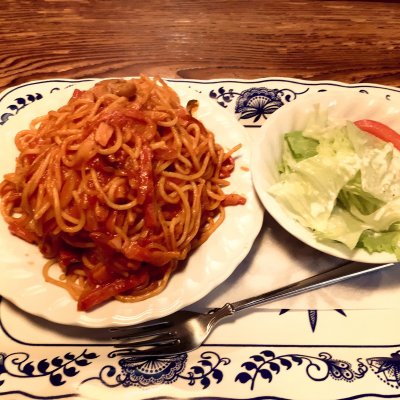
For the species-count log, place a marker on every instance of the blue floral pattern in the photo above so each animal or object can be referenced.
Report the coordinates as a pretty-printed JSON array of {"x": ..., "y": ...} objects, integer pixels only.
[
  {"x": 27, "y": 99},
  {"x": 18, "y": 104},
  {"x": 258, "y": 102},
  {"x": 58, "y": 369},
  {"x": 254, "y": 103},
  {"x": 144, "y": 372},
  {"x": 387, "y": 368},
  {"x": 266, "y": 365}
]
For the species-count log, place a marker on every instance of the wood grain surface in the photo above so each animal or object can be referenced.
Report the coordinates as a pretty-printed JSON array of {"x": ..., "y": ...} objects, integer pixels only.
[{"x": 350, "y": 41}]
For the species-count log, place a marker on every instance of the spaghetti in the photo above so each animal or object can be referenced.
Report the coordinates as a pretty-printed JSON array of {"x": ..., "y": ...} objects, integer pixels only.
[{"x": 117, "y": 187}]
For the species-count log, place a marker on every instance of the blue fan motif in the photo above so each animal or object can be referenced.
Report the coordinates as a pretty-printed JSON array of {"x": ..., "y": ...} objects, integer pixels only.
[
  {"x": 145, "y": 372},
  {"x": 387, "y": 368},
  {"x": 255, "y": 104},
  {"x": 258, "y": 102}
]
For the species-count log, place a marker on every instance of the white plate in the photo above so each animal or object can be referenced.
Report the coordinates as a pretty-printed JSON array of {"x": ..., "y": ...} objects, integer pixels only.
[
  {"x": 293, "y": 116},
  {"x": 21, "y": 280}
]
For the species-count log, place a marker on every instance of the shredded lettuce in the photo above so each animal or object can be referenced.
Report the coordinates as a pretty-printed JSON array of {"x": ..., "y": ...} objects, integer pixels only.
[
  {"x": 343, "y": 225},
  {"x": 342, "y": 183},
  {"x": 380, "y": 164},
  {"x": 310, "y": 190},
  {"x": 353, "y": 195}
]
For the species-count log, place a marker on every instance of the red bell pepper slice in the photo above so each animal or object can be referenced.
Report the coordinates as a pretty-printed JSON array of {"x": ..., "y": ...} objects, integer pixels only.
[
  {"x": 76, "y": 93},
  {"x": 233, "y": 200},
  {"x": 381, "y": 131},
  {"x": 101, "y": 293}
]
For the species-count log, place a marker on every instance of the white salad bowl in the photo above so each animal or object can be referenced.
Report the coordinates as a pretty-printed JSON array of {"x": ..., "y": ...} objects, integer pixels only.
[{"x": 267, "y": 152}]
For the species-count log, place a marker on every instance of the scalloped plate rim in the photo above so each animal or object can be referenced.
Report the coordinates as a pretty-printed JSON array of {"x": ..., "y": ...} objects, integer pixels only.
[{"x": 92, "y": 319}]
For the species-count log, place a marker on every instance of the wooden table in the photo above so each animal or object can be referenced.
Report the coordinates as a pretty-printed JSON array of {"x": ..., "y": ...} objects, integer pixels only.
[{"x": 350, "y": 41}]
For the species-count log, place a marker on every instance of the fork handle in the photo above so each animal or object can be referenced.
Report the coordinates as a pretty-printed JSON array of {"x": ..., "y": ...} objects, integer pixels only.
[{"x": 326, "y": 278}]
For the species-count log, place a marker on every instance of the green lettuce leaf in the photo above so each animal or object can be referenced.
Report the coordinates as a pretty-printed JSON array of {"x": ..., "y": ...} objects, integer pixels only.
[
  {"x": 310, "y": 190},
  {"x": 342, "y": 227},
  {"x": 353, "y": 195},
  {"x": 301, "y": 147},
  {"x": 380, "y": 242}
]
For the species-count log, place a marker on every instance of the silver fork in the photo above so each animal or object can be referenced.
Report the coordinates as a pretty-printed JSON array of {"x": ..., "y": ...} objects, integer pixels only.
[{"x": 185, "y": 331}]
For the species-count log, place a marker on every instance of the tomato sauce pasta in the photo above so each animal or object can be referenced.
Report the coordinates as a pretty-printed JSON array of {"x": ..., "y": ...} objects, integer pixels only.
[{"x": 117, "y": 187}]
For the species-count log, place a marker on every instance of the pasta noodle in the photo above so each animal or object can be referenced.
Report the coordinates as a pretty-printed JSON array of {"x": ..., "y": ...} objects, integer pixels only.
[{"x": 117, "y": 187}]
